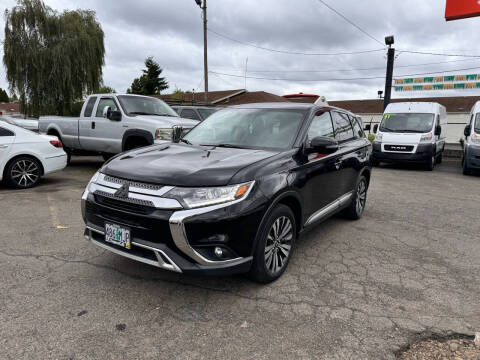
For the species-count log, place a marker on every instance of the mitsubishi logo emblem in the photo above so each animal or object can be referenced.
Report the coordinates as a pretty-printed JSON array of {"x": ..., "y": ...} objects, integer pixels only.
[{"x": 122, "y": 193}]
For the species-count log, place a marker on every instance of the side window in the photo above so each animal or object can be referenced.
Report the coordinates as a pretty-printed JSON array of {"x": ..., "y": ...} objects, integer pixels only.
[
  {"x": 476, "y": 126},
  {"x": 321, "y": 126},
  {"x": 89, "y": 107},
  {"x": 189, "y": 114},
  {"x": 357, "y": 128},
  {"x": 6, "y": 132},
  {"x": 343, "y": 128},
  {"x": 105, "y": 102}
]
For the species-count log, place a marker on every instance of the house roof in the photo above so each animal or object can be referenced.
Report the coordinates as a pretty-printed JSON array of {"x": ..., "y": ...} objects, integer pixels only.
[
  {"x": 10, "y": 107},
  {"x": 453, "y": 104},
  {"x": 213, "y": 96}
]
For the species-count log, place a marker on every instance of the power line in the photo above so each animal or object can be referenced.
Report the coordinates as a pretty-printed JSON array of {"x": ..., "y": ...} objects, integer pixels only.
[
  {"x": 351, "y": 22},
  {"x": 354, "y": 69},
  {"x": 342, "y": 79},
  {"x": 292, "y": 52},
  {"x": 438, "y": 54}
]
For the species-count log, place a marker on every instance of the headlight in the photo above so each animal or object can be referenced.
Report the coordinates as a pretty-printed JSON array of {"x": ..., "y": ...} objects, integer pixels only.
[
  {"x": 475, "y": 139},
  {"x": 378, "y": 137},
  {"x": 92, "y": 180},
  {"x": 198, "y": 197},
  {"x": 164, "y": 134},
  {"x": 426, "y": 137}
]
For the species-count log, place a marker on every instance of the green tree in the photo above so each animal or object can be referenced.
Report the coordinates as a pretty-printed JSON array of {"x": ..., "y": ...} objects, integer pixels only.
[
  {"x": 105, "y": 90},
  {"x": 13, "y": 97},
  {"x": 52, "y": 59},
  {"x": 4, "y": 96},
  {"x": 150, "y": 83}
]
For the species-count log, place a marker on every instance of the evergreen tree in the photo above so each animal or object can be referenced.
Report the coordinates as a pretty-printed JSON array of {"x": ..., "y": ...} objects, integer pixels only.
[
  {"x": 52, "y": 59},
  {"x": 4, "y": 96},
  {"x": 150, "y": 83}
]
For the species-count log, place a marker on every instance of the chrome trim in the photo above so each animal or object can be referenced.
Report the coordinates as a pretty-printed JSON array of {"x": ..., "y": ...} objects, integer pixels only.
[
  {"x": 179, "y": 235},
  {"x": 158, "y": 253},
  {"x": 328, "y": 209},
  {"x": 158, "y": 202},
  {"x": 141, "y": 188}
]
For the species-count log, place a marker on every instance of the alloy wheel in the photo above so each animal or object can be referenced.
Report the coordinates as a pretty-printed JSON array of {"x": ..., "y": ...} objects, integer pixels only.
[
  {"x": 361, "y": 196},
  {"x": 278, "y": 244},
  {"x": 25, "y": 173}
]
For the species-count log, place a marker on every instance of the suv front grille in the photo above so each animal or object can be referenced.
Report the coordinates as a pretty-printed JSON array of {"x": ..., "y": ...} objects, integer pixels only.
[
  {"x": 136, "y": 184},
  {"x": 131, "y": 205}
]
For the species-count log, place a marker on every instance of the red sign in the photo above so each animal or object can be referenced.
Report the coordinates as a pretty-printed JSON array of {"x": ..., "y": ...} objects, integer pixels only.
[{"x": 461, "y": 9}]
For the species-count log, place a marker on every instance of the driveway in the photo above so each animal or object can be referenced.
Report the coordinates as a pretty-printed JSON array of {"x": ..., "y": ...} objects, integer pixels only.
[{"x": 353, "y": 290}]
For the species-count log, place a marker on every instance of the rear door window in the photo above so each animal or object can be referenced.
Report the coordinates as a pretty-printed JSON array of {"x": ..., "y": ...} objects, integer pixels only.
[
  {"x": 321, "y": 126},
  {"x": 89, "y": 107},
  {"x": 343, "y": 127},
  {"x": 105, "y": 102},
  {"x": 6, "y": 132}
]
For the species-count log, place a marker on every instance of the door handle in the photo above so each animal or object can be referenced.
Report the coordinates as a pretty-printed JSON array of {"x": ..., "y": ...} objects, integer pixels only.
[
  {"x": 93, "y": 124},
  {"x": 3, "y": 146}
]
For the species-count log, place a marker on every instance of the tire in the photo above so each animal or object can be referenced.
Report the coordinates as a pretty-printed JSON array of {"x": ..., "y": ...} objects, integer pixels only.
[
  {"x": 466, "y": 169},
  {"x": 107, "y": 156},
  {"x": 431, "y": 164},
  {"x": 274, "y": 250},
  {"x": 23, "y": 172},
  {"x": 440, "y": 158},
  {"x": 374, "y": 163},
  {"x": 356, "y": 208}
]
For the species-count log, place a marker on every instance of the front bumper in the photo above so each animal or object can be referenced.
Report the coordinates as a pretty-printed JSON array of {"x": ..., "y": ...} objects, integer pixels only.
[
  {"x": 423, "y": 153},
  {"x": 176, "y": 239},
  {"x": 472, "y": 156}
]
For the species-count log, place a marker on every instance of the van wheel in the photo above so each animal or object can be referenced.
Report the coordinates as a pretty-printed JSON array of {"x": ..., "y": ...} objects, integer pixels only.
[
  {"x": 440, "y": 159},
  {"x": 466, "y": 169},
  {"x": 374, "y": 163},
  {"x": 356, "y": 208},
  {"x": 431, "y": 163},
  {"x": 274, "y": 246}
]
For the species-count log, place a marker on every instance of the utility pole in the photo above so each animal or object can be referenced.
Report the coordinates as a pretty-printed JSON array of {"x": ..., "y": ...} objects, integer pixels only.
[
  {"x": 203, "y": 6},
  {"x": 389, "y": 78},
  {"x": 246, "y": 67}
]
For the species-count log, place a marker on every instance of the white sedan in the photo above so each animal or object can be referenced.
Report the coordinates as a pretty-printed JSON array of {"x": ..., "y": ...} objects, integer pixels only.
[{"x": 26, "y": 156}]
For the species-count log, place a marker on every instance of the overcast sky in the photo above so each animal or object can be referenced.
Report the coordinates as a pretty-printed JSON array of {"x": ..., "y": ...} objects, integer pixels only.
[{"x": 171, "y": 32}]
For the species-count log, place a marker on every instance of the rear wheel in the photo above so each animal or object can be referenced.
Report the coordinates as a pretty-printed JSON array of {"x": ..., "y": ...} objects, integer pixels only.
[
  {"x": 274, "y": 246},
  {"x": 23, "y": 172},
  {"x": 356, "y": 208},
  {"x": 107, "y": 156}
]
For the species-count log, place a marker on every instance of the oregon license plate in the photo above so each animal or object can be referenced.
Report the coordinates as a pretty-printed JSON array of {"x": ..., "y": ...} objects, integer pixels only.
[{"x": 118, "y": 235}]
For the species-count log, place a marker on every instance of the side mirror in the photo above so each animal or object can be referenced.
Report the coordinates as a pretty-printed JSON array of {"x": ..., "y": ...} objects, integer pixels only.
[
  {"x": 177, "y": 133},
  {"x": 467, "y": 131},
  {"x": 322, "y": 145},
  {"x": 375, "y": 128},
  {"x": 438, "y": 130},
  {"x": 367, "y": 127},
  {"x": 110, "y": 114}
]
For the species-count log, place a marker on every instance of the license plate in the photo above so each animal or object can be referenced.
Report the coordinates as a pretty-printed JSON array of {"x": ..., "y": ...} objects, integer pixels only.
[{"x": 117, "y": 235}]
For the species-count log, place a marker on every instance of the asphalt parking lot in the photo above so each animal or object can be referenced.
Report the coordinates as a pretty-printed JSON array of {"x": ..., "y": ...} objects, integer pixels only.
[{"x": 353, "y": 290}]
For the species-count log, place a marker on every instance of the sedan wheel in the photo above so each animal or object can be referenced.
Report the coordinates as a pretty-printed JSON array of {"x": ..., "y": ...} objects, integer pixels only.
[{"x": 24, "y": 173}]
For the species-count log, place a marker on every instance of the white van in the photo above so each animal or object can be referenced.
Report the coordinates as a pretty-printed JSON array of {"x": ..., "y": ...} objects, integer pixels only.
[
  {"x": 411, "y": 132},
  {"x": 471, "y": 150}
]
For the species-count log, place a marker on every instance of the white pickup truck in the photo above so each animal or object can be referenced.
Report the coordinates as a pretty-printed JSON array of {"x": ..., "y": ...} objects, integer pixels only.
[{"x": 111, "y": 123}]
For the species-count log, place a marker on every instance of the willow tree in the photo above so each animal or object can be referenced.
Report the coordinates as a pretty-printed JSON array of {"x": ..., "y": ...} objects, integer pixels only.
[{"x": 52, "y": 59}]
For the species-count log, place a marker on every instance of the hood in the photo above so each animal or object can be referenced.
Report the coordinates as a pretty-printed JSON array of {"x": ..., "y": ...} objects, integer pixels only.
[
  {"x": 167, "y": 121},
  {"x": 183, "y": 165},
  {"x": 401, "y": 138}
]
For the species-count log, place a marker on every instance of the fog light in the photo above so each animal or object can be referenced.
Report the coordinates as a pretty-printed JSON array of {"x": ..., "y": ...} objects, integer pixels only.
[{"x": 218, "y": 252}]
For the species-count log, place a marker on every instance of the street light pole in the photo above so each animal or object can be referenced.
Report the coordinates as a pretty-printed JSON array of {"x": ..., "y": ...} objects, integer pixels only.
[
  {"x": 389, "y": 76},
  {"x": 205, "y": 58}
]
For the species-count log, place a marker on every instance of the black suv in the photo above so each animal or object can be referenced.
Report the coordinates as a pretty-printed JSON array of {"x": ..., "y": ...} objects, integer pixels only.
[{"x": 233, "y": 195}]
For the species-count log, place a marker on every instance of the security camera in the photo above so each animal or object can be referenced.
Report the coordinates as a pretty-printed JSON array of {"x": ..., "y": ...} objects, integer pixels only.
[{"x": 389, "y": 40}]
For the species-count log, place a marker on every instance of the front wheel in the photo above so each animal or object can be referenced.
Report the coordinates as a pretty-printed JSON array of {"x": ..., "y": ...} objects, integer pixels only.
[
  {"x": 274, "y": 245},
  {"x": 431, "y": 163},
  {"x": 466, "y": 169},
  {"x": 23, "y": 172}
]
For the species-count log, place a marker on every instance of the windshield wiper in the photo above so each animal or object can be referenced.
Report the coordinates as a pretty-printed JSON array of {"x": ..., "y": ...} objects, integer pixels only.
[
  {"x": 224, "y": 146},
  {"x": 410, "y": 131},
  {"x": 386, "y": 129},
  {"x": 139, "y": 113},
  {"x": 186, "y": 141}
]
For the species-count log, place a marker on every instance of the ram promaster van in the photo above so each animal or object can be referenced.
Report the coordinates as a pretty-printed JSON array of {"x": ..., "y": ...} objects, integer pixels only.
[
  {"x": 411, "y": 132},
  {"x": 471, "y": 151}
]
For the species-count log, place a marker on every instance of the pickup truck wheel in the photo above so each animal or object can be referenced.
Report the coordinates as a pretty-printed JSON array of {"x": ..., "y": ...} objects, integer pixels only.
[
  {"x": 23, "y": 172},
  {"x": 274, "y": 246},
  {"x": 135, "y": 142},
  {"x": 107, "y": 156}
]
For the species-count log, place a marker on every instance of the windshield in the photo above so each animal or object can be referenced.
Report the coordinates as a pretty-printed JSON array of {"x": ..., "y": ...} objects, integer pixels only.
[
  {"x": 408, "y": 122},
  {"x": 477, "y": 123},
  {"x": 248, "y": 128},
  {"x": 142, "y": 105},
  {"x": 206, "y": 112}
]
